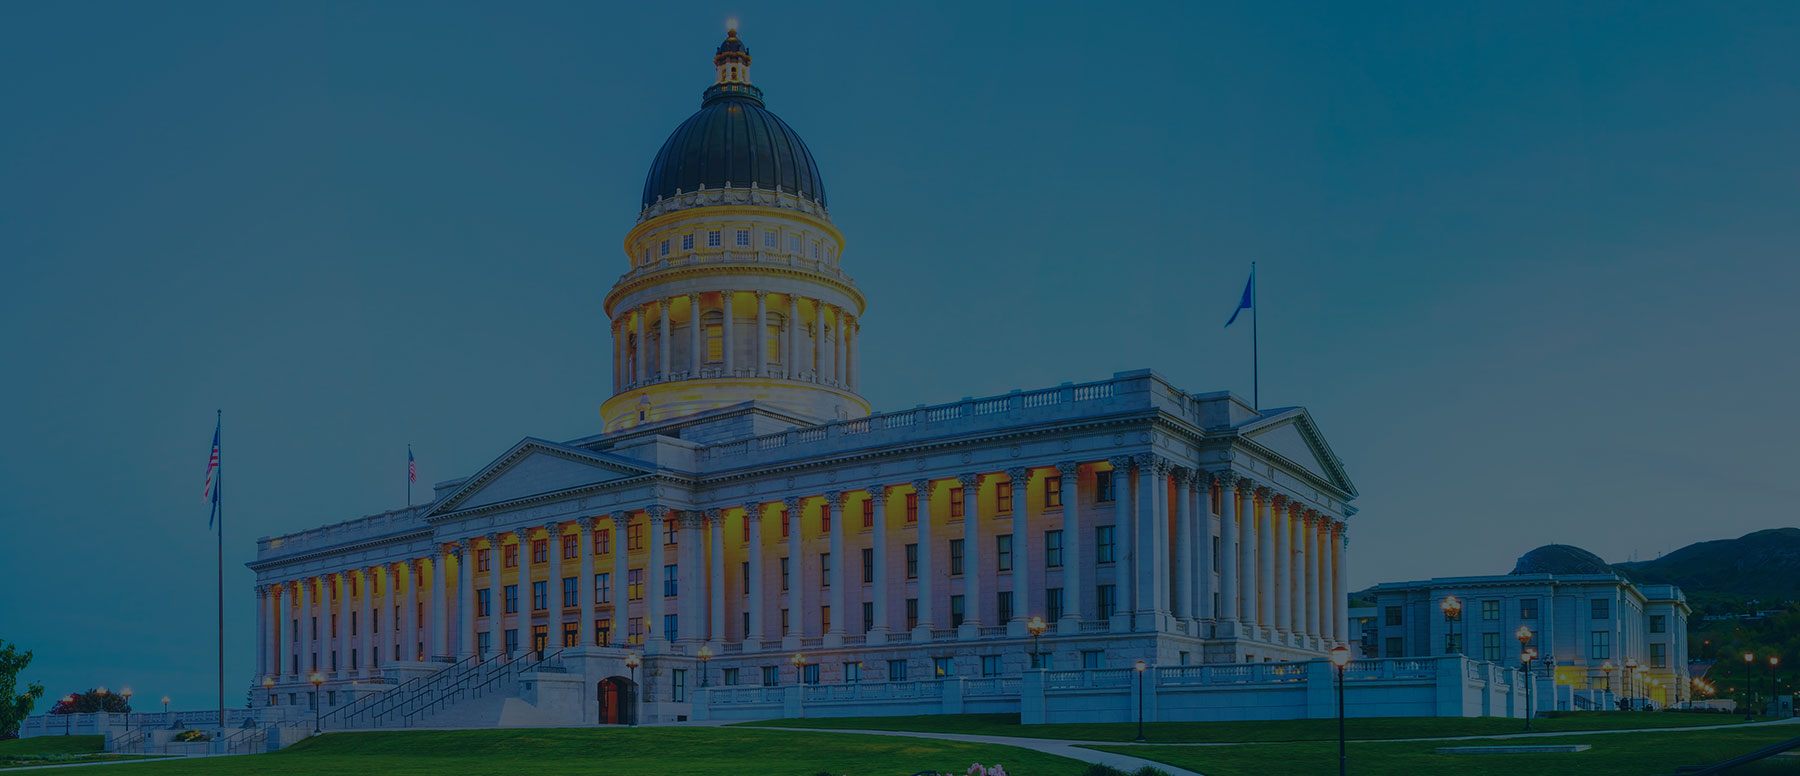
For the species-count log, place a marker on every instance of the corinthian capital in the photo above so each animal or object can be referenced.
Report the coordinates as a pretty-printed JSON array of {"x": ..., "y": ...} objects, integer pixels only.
[
  {"x": 876, "y": 491},
  {"x": 657, "y": 512},
  {"x": 621, "y": 519},
  {"x": 969, "y": 480},
  {"x": 923, "y": 488},
  {"x": 834, "y": 498},
  {"x": 1120, "y": 463},
  {"x": 1068, "y": 468},
  {"x": 1153, "y": 463},
  {"x": 1019, "y": 476},
  {"x": 792, "y": 503},
  {"x": 715, "y": 516},
  {"x": 586, "y": 524},
  {"x": 753, "y": 510}
]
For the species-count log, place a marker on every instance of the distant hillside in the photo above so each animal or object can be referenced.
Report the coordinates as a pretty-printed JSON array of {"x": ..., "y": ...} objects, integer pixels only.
[{"x": 1762, "y": 566}]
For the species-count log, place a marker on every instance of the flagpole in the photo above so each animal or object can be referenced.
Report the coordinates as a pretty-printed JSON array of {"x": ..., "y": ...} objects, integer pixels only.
[
  {"x": 409, "y": 475},
  {"x": 220, "y": 508},
  {"x": 1255, "y": 354}
]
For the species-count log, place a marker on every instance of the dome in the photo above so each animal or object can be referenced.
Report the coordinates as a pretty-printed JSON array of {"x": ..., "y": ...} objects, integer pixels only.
[
  {"x": 1561, "y": 559},
  {"x": 734, "y": 140}
]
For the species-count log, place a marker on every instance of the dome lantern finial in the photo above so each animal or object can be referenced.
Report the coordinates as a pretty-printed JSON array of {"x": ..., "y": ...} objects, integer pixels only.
[{"x": 732, "y": 59}]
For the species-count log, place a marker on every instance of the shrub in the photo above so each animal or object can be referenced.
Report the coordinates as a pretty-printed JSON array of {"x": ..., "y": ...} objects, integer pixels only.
[{"x": 187, "y": 736}]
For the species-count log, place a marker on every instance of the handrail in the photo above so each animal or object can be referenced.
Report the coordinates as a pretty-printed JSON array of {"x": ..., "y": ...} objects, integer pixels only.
[
  {"x": 397, "y": 701},
  {"x": 476, "y": 684},
  {"x": 232, "y": 742},
  {"x": 1763, "y": 753}
]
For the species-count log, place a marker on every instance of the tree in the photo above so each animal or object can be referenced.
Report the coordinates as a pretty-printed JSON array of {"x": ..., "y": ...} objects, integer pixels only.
[
  {"x": 14, "y": 706},
  {"x": 92, "y": 701}
]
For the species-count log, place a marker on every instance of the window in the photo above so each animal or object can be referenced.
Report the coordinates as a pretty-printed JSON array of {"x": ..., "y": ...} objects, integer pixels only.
[
  {"x": 1002, "y": 498},
  {"x": 956, "y": 611},
  {"x": 744, "y": 566},
  {"x": 1103, "y": 487},
  {"x": 784, "y": 620},
  {"x": 868, "y": 616},
  {"x": 746, "y": 630},
  {"x": 912, "y": 508},
  {"x": 1528, "y": 609},
  {"x": 664, "y": 248},
  {"x": 794, "y": 244},
  {"x": 512, "y": 598},
  {"x": 868, "y": 558},
  {"x": 852, "y": 672},
  {"x": 603, "y": 632},
  {"x": 1490, "y": 647},
  {"x": 481, "y": 602},
  {"x": 678, "y": 684},
  {"x": 634, "y": 630},
  {"x": 483, "y": 641},
  {"x": 771, "y": 676},
  {"x": 539, "y": 596},
  {"x": 815, "y": 250},
  {"x": 1093, "y": 658},
  {"x": 956, "y": 501},
  {"x": 730, "y": 677},
  {"x": 715, "y": 341},
  {"x": 634, "y": 584},
  {"x": 772, "y": 343},
  {"x": 990, "y": 665},
  {"x": 784, "y": 523},
  {"x": 956, "y": 557},
  {"x": 669, "y": 629},
  {"x": 743, "y": 238},
  {"x": 1396, "y": 647},
  {"x": 1659, "y": 624},
  {"x": 539, "y": 548},
  {"x": 602, "y": 541},
  {"x": 569, "y": 591},
  {"x": 1599, "y": 645},
  {"x": 714, "y": 239},
  {"x": 1490, "y": 611},
  {"x": 603, "y": 588},
  {"x": 1003, "y": 558},
  {"x": 868, "y": 511},
  {"x": 634, "y": 537},
  {"x": 769, "y": 239},
  {"x": 1003, "y": 605},
  {"x": 824, "y": 522},
  {"x": 1103, "y": 544},
  {"x": 511, "y": 640},
  {"x": 1053, "y": 549},
  {"x": 912, "y": 613},
  {"x": 1053, "y": 604},
  {"x": 896, "y": 670},
  {"x": 1394, "y": 615},
  {"x": 825, "y": 570},
  {"x": 671, "y": 582},
  {"x": 481, "y": 560},
  {"x": 669, "y": 527},
  {"x": 540, "y": 637},
  {"x": 646, "y": 257},
  {"x": 943, "y": 666},
  {"x": 811, "y": 673},
  {"x": 1104, "y": 601},
  {"x": 784, "y": 574},
  {"x": 687, "y": 242},
  {"x": 824, "y": 619},
  {"x": 1052, "y": 492},
  {"x": 1659, "y": 656},
  {"x": 1602, "y": 608},
  {"x": 569, "y": 545}
]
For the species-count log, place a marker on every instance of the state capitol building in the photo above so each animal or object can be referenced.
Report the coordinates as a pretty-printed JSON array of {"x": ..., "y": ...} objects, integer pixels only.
[{"x": 742, "y": 521}]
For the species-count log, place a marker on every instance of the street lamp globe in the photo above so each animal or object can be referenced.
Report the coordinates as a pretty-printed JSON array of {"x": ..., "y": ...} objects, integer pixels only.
[
  {"x": 1340, "y": 656},
  {"x": 1035, "y": 626},
  {"x": 1452, "y": 606},
  {"x": 1523, "y": 634}
]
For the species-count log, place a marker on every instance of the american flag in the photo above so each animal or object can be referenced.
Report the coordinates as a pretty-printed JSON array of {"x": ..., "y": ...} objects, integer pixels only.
[
  {"x": 412, "y": 467},
  {"x": 212, "y": 478}
]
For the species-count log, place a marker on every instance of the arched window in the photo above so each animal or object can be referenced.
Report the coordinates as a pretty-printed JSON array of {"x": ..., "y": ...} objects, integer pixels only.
[
  {"x": 712, "y": 325},
  {"x": 772, "y": 338}
]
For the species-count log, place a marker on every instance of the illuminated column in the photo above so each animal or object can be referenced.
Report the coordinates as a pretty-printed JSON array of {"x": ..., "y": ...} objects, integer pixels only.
[
  {"x": 816, "y": 364},
  {"x": 754, "y": 603},
  {"x": 1184, "y": 544},
  {"x": 1279, "y": 551},
  {"x": 1247, "y": 556},
  {"x": 1340, "y": 622},
  {"x": 922, "y": 490},
  {"x": 1296, "y": 564},
  {"x": 690, "y": 588},
  {"x": 827, "y": 346},
  {"x": 834, "y": 516},
  {"x": 694, "y": 353},
  {"x": 973, "y": 540},
  {"x": 1073, "y": 534},
  {"x": 365, "y": 638},
  {"x": 663, "y": 372},
  {"x": 409, "y": 612},
  {"x": 1019, "y": 478},
  {"x": 1322, "y": 537},
  {"x": 1265, "y": 561},
  {"x": 1203, "y": 544},
  {"x": 1151, "y": 563},
  {"x": 278, "y": 631},
  {"x": 855, "y": 350},
  {"x": 553, "y": 602},
  {"x": 761, "y": 336},
  {"x": 496, "y": 597},
  {"x": 878, "y": 634},
  {"x": 345, "y": 615},
  {"x": 715, "y": 532},
  {"x": 1124, "y": 548},
  {"x": 440, "y": 603},
  {"x": 621, "y": 574},
  {"x": 837, "y": 347},
  {"x": 262, "y": 630},
  {"x": 303, "y": 638},
  {"x": 791, "y": 360},
  {"x": 1309, "y": 537},
  {"x": 1228, "y": 553},
  {"x": 584, "y": 583},
  {"x": 653, "y": 576},
  {"x": 465, "y": 598},
  {"x": 796, "y": 577},
  {"x": 730, "y": 323},
  {"x": 641, "y": 364}
]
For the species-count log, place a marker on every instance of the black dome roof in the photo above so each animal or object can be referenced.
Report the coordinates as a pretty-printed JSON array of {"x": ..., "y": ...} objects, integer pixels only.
[
  {"x": 1561, "y": 559},
  {"x": 734, "y": 139}
]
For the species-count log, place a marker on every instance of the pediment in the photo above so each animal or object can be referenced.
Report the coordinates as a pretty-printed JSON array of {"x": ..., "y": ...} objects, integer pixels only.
[
  {"x": 1293, "y": 436},
  {"x": 535, "y": 468}
]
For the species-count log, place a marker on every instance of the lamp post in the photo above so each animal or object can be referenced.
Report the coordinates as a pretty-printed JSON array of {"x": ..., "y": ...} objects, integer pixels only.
[
  {"x": 1453, "y": 607},
  {"x": 1524, "y": 634},
  {"x": 704, "y": 654},
  {"x": 1340, "y": 657},
  {"x": 316, "y": 679},
  {"x": 1139, "y": 667},
  {"x": 126, "y": 694},
  {"x": 798, "y": 661},
  {"x": 269, "y": 688},
  {"x": 166, "y": 717},
  {"x": 1036, "y": 627},
  {"x": 100, "y": 704},
  {"x": 1774, "y": 660},
  {"x": 68, "y": 709},
  {"x": 1631, "y": 665},
  {"x": 1607, "y": 668},
  {"x": 1749, "y": 658},
  {"x": 632, "y": 661},
  {"x": 1643, "y": 683}
]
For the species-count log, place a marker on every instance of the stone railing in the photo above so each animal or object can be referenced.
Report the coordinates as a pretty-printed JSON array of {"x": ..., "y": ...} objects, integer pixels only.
[{"x": 371, "y": 527}]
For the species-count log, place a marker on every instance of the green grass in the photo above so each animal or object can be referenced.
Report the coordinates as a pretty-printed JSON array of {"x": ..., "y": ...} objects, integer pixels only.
[
  {"x": 659, "y": 751},
  {"x": 56, "y": 750},
  {"x": 1636, "y": 754},
  {"x": 1261, "y": 731}
]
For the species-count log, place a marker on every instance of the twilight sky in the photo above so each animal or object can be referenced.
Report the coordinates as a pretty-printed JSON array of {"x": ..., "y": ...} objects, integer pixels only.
[{"x": 1530, "y": 267}]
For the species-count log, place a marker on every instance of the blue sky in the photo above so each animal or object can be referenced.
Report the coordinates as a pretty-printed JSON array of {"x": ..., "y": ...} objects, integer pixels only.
[{"x": 1529, "y": 265}]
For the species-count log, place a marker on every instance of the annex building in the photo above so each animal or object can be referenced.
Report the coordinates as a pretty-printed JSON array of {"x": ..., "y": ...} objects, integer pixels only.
[{"x": 742, "y": 522}]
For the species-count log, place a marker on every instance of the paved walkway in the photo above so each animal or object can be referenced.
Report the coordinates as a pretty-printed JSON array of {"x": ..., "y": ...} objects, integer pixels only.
[{"x": 1069, "y": 749}]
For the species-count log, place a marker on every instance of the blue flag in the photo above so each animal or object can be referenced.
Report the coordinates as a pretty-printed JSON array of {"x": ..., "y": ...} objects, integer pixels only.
[{"x": 1249, "y": 300}]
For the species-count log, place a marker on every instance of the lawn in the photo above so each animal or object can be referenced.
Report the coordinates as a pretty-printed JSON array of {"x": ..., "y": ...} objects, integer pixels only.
[
  {"x": 1636, "y": 754},
  {"x": 55, "y": 750},
  {"x": 668, "y": 751},
  {"x": 1263, "y": 731}
]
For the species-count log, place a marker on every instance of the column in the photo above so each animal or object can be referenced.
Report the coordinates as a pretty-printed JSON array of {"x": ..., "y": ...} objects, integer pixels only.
[
  {"x": 878, "y": 634},
  {"x": 1294, "y": 565},
  {"x": 522, "y": 617},
  {"x": 729, "y": 324},
  {"x": 762, "y": 333},
  {"x": 1322, "y": 538},
  {"x": 584, "y": 584},
  {"x": 304, "y": 639},
  {"x": 973, "y": 540},
  {"x": 754, "y": 602},
  {"x": 828, "y": 348},
  {"x": 662, "y": 368},
  {"x": 640, "y": 375},
  {"x": 1124, "y": 547},
  {"x": 1150, "y": 532},
  {"x": 1073, "y": 534},
  {"x": 553, "y": 602},
  {"x": 262, "y": 630},
  {"x": 1247, "y": 553},
  {"x": 854, "y": 374},
  {"x": 696, "y": 357},
  {"x": 440, "y": 603},
  {"x": 1203, "y": 544},
  {"x": 715, "y": 593},
  {"x": 385, "y": 621},
  {"x": 1309, "y": 536},
  {"x": 409, "y": 612},
  {"x": 1277, "y": 550},
  {"x": 278, "y": 631},
  {"x": 792, "y": 362},
  {"x": 465, "y": 598},
  {"x": 1340, "y": 545},
  {"x": 796, "y": 587},
  {"x": 496, "y": 597},
  {"x": 1184, "y": 545},
  {"x": 838, "y": 369},
  {"x": 345, "y": 613},
  {"x": 922, "y": 489},
  {"x": 1020, "y": 480},
  {"x": 621, "y": 576},
  {"x": 618, "y": 360},
  {"x": 690, "y": 587},
  {"x": 654, "y": 608},
  {"x": 816, "y": 364},
  {"x": 365, "y": 635},
  {"x": 1229, "y": 611},
  {"x": 834, "y": 515}
]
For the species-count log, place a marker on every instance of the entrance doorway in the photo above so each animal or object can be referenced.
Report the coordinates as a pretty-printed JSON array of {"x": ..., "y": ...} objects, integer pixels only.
[{"x": 616, "y": 696}]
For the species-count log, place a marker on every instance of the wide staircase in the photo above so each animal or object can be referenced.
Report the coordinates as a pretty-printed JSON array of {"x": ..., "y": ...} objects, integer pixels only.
[{"x": 469, "y": 693}]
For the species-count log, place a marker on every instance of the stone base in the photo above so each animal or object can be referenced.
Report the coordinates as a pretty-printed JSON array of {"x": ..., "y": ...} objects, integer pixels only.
[
  {"x": 834, "y": 639},
  {"x": 1069, "y": 625},
  {"x": 790, "y": 643},
  {"x": 876, "y": 637},
  {"x": 752, "y": 645},
  {"x": 921, "y": 634},
  {"x": 968, "y": 631},
  {"x": 1016, "y": 629}
]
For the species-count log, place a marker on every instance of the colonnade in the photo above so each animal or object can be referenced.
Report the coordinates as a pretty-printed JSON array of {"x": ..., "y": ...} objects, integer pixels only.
[{"x": 829, "y": 348}]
